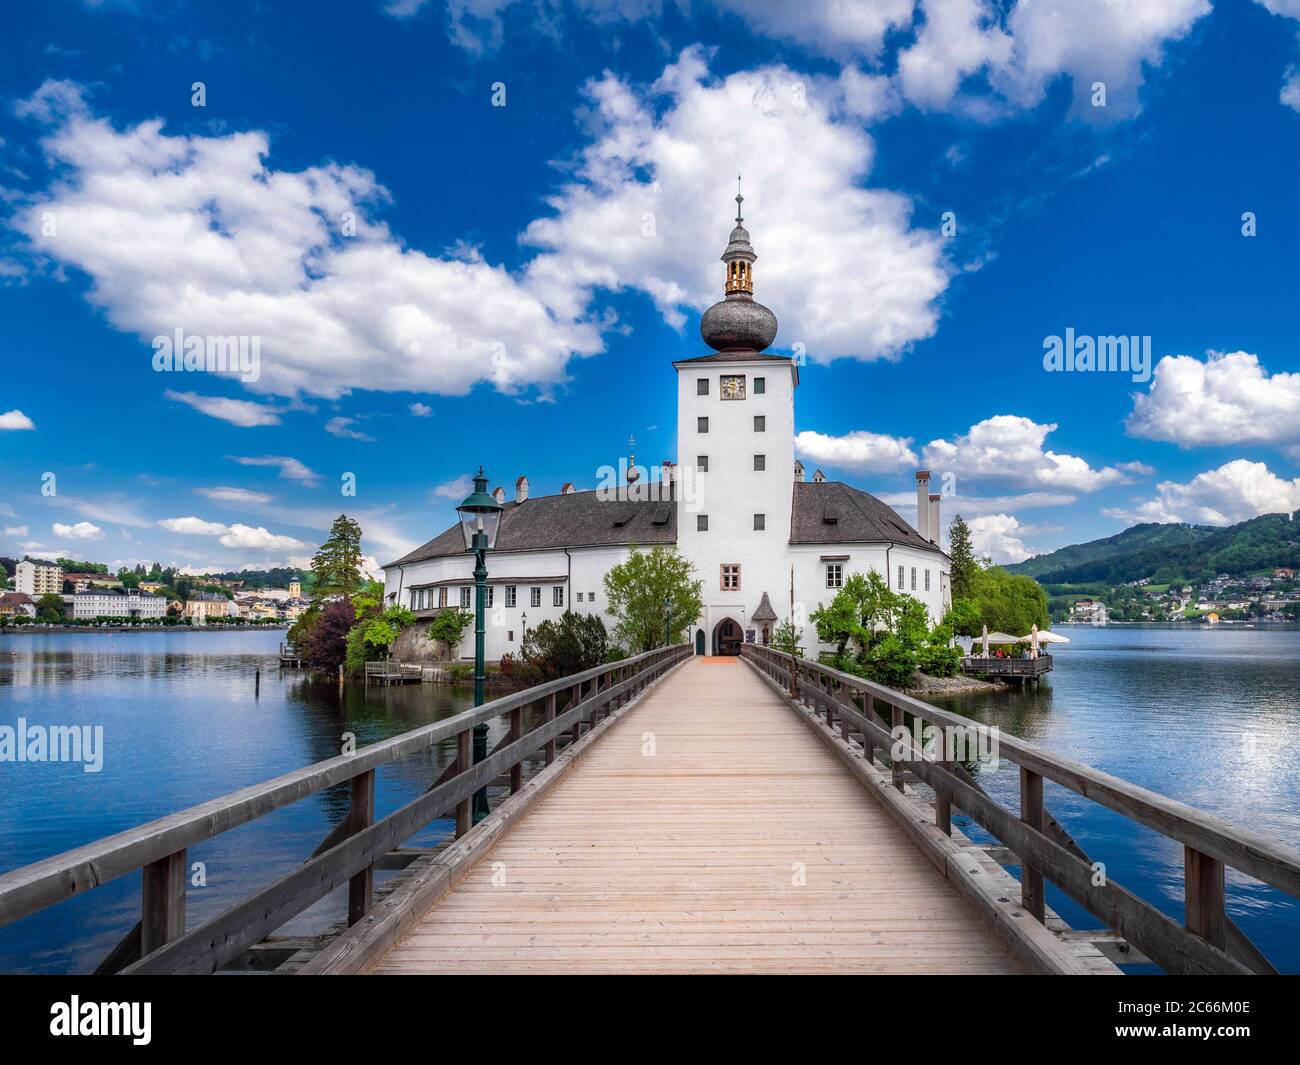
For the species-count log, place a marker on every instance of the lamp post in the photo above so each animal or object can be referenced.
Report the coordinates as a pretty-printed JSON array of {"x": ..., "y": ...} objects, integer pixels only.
[
  {"x": 668, "y": 620},
  {"x": 480, "y": 517}
]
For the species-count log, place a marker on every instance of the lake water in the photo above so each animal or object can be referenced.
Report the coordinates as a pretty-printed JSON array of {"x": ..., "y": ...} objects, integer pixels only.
[{"x": 1206, "y": 715}]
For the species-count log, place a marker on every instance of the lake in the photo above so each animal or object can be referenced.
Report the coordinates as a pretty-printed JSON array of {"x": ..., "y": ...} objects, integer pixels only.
[{"x": 1205, "y": 715}]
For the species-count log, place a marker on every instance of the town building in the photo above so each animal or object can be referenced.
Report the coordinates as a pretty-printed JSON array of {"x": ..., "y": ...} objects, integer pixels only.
[
  {"x": 116, "y": 603},
  {"x": 734, "y": 502},
  {"x": 36, "y": 577},
  {"x": 204, "y": 606},
  {"x": 17, "y": 604}
]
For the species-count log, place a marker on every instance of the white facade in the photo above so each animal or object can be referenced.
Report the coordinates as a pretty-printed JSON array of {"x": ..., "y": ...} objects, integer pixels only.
[
  {"x": 38, "y": 578},
  {"x": 117, "y": 603}
]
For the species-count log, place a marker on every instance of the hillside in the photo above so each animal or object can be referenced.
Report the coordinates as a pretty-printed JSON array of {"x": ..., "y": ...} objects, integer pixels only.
[{"x": 1172, "y": 553}]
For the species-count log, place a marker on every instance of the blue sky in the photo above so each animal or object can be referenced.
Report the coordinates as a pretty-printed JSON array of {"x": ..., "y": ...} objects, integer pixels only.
[{"x": 435, "y": 281}]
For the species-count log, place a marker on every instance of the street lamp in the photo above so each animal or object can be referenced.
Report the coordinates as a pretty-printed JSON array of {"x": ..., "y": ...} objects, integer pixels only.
[
  {"x": 668, "y": 620},
  {"x": 480, "y": 517}
]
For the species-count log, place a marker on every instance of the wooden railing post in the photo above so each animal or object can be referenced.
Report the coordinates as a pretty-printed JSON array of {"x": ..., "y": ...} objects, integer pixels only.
[
  {"x": 516, "y": 732},
  {"x": 464, "y": 763},
  {"x": 361, "y": 887},
  {"x": 896, "y": 765},
  {"x": 1031, "y": 813},
  {"x": 844, "y": 721},
  {"x": 550, "y": 716},
  {"x": 162, "y": 902},
  {"x": 1205, "y": 915},
  {"x": 866, "y": 704}
]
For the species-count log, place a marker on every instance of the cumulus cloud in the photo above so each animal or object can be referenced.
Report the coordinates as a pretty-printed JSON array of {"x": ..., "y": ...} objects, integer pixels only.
[
  {"x": 235, "y": 411},
  {"x": 289, "y": 467},
  {"x": 1009, "y": 448},
  {"x": 656, "y": 180},
  {"x": 859, "y": 450},
  {"x": 958, "y": 38},
  {"x": 456, "y": 489},
  {"x": 15, "y": 419},
  {"x": 1236, "y": 491},
  {"x": 1290, "y": 94},
  {"x": 998, "y": 536},
  {"x": 200, "y": 233},
  {"x": 233, "y": 536},
  {"x": 16, "y": 530},
  {"x": 421, "y": 410},
  {"x": 83, "y": 530},
  {"x": 1225, "y": 399}
]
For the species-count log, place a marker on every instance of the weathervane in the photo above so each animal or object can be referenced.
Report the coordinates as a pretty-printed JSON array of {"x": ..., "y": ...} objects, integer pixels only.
[{"x": 633, "y": 474}]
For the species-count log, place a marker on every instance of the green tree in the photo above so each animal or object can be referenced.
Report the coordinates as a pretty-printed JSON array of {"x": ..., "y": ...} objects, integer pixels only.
[
  {"x": 637, "y": 590},
  {"x": 964, "y": 618},
  {"x": 964, "y": 565},
  {"x": 1009, "y": 602},
  {"x": 572, "y": 643},
  {"x": 337, "y": 565},
  {"x": 788, "y": 639},
  {"x": 448, "y": 627},
  {"x": 51, "y": 609}
]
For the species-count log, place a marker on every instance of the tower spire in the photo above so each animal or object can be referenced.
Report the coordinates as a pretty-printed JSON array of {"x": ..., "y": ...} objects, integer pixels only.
[
  {"x": 739, "y": 200},
  {"x": 737, "y": 323}
]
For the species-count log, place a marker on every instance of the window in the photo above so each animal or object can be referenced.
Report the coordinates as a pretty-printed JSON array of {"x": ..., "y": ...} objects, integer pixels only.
[
  {"x": 579, "y": 597},
  {"x": 415, "y": 600},
  {"x": 730, "y": 577},
  {"x": 760, "y": 522},
  {"x": 732, "y": 386},
  {"x": 927, "y": 580},
  {"x": 760, "y": 423},
  {"x": 702, "y": 463},
  {"x": 534, "y": 597},
  {"x": 701, "y": 523},
  {"x": 913, "y": 578},
  {"x": 760, "y": 386},
  {"x": 442, "y": 596},
  {"x": 834, "y": 575},
  {"x": 510, "y": 595},
  {"x": 701, "y": 425},
  {"x": 900, "y": 578},
  {"x": 591, "y": 597},
  {"x": 464, "y": 597},
  {"x": 490, "y": 597},
  {"x": 760, "y": 462},
  {"x": 557, "y": 595},
  {"x": 702, "y": 386},
  {"x": 510, "y": 635}
]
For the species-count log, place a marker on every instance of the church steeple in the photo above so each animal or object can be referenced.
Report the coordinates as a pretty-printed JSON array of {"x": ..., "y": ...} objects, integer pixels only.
[{"x": 738, "y": 323}]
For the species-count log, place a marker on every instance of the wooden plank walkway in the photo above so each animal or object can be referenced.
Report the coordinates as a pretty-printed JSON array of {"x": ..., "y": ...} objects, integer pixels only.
[{"x": 739, "y": 845}]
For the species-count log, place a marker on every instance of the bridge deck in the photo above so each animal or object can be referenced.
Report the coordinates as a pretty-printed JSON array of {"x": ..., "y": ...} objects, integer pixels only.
[{"x": 686, "y": 860}]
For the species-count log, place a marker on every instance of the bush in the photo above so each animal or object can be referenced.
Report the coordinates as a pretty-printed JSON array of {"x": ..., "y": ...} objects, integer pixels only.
[
  {"x": 327, "y": 646},
  {"x": 571, "y": 644}
]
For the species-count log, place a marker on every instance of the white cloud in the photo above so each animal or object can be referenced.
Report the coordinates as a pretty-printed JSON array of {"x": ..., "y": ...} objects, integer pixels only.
[
  {"x": 193, "y": 526},
  {"x": 233, "y": 536},
  {"x": 455, "y": 490},
  {"x": 657, "y": 181},
  {"x": 235, "y": 411},
  {"x": 15, "y": 419},
  {"x": 1227, "y": 399},
  {"x": 228, "y": 494},
  {"x": 1236, "y": 491},
  {"x": 859, "y": 450},
  {"x": 198, "y": 232},
  {"x": 16, "y": 530},
  {"x": 1009, "y": 448},
  {"x": 290, "y": 468},
  {"x": 998, "y": 536},
  {"x": 83, "y": 530},
  {"x": 1290, "y": 94},
  {"x": 343, "y": 427},
  {"x": 421, "y": 410},
  {"x": 959, "y": 37},
  {"x": 111, "y": 510}
]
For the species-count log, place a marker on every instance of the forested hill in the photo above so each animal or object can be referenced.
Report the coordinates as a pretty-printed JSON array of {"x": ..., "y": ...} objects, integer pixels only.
[{"x": 1167, "y": 553}]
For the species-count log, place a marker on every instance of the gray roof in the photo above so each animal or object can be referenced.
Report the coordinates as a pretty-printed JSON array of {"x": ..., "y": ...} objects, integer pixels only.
[
  {"x": 578, "y": 519},
  {"x": 764, "y": 611},
  {"x": 832, "y": 512}
]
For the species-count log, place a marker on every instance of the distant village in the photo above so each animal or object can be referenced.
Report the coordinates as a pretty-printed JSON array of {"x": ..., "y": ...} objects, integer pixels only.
[
  {"x": 41, "y": 591},
  {"x": 1271, "y": 597}
]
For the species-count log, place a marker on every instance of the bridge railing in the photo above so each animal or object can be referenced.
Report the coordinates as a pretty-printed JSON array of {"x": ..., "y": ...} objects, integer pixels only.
[
  {"x": 1208, "y": 941},
  {"x": 160, "y": 942}
]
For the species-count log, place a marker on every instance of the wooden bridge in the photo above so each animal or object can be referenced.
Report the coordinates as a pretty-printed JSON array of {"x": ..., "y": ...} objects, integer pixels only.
[{"x": 677, "y": 814}]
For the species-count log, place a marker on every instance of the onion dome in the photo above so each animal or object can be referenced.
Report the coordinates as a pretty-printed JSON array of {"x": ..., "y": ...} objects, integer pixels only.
[{"x": 738, "y": 323}]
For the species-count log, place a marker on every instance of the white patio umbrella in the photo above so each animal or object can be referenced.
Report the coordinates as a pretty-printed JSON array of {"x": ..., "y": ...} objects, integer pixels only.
[{"x": 1047, "y": 636}]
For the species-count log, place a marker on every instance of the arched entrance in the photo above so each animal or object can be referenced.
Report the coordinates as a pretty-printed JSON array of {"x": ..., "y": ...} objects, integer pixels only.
[
  {"x": 727, "y": 637},
  {"x": 699, "y": 641}
]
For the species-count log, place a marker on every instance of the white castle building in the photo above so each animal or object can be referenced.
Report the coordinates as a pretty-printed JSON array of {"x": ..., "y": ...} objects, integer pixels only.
[{"x": 735, "y": 503}]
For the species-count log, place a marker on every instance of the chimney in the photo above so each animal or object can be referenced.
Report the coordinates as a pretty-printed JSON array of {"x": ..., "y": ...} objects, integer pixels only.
[
  {"x": 666, "y": 470},
  {"x": 521, "y": 489},
  {"x": 818, "y": 477},
  {"x": 935, "y": 529},
  {"x": 798, "y": 470},
  {"x": 567, "y": 489},
  {"x": 923, "y": 503},
  {"x": 499, "y": 494}
]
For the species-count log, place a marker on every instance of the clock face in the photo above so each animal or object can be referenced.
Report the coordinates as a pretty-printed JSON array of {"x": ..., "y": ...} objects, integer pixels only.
[{"x": 733, "y": 387}]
